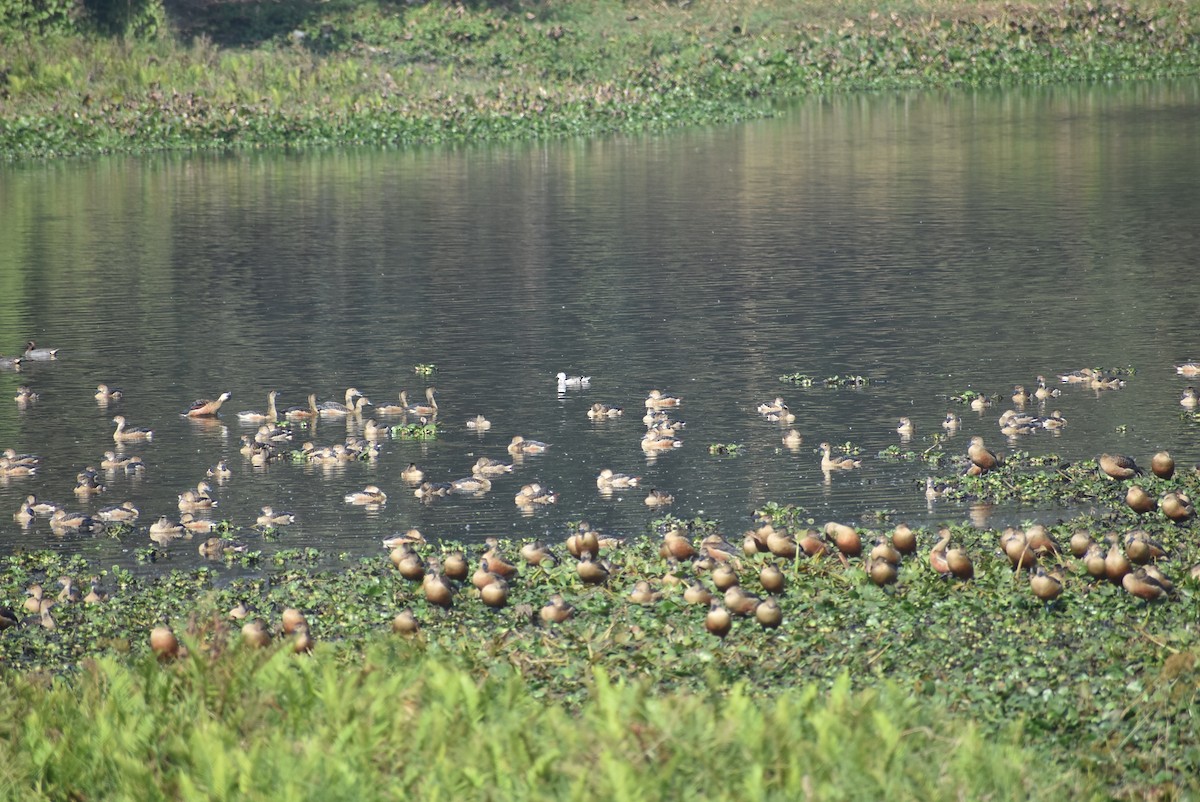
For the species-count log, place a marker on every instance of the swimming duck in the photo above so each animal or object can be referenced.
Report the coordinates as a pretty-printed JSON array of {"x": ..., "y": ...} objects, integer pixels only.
[
  {"x": 10, "y": 468},
  {"x": 769, "y": 407},
  {"x": 24, "y": 514},
  {"x": 28, "y": 460},
  {"x": 88, "y": 484},
  {"x": 124, "y": 512},
  {"x": 207, "y": 407},
  {"x": 905, "y": 427},
  {"x": 535, "y": 494},
  {"x": 792, "y": 439},
  {"x": 63, "y": 521},
  {"x": 1189, "y": 399},
  {"x": 123, "y": 434},
  {"x": 35, "y": 354},
  {"x": 104, "y": 394},
  {"x": 197, "y": 526},
  {"x": 392, "y": 409},
  {"x": 951, "y": 422},
  {"x": 659, "y": 498},
  {"x": 657, "y": 440},
  {"x": 980, "y": 456},
  {"x": 656, "y": 400},
  {"x": 607, "y": 480},
  {"x": 604, "y": 411},
  {"x": 336, "y": 409},
  {"x": 1119, "y": 466},
  {"x": 832, "y": 463},
  {"x": 198, "y": 499},
  {"x": 1054, "y": 421},
  {"x": 120, "y": 462},
  {"x": 407, "y": 538},
  {"x": 784, "y": 415},
  {"x": 412, "y": 474},
  {"x": 520, "y": 445},
  {"x": 25, "y": 396},
  {"x": 370, "y": 494},
  {"x": 980, "y": 402},
  {"x": 164, "y": 530},
  {"x": 431, "y": 490},
  {"x": 565, "y": 381},
  {"x": 1020, "y": 395},
  {"x": 1043, "y": 392},
  {"x": 428, "y": 410},
  {"x": 1188, "y": 369},
  {"x": 490, "y": 467},
  {"x": 309, "y": 412},
  {"x": 270, "y": 518},
  {"x": 471, "y": 485},
  {"x": 41, "y": 507},
  {"x": 10, "y": 362},
  {"x": 220, "y": 471},
  {"x": 270, "y": 416},
  {"x": 479, "y": 423}
]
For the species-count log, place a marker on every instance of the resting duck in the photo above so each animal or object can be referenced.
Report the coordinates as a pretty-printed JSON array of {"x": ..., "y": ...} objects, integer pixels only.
[
  {"x": 479, "y": 423},
  {"x": 520, "y": 445},
  {"x": 565, "y": 381},
  {"x": 270, "y": 518},
  {"x": 370, "y": 494},
  {"x": 603, "y": 411},
  {"x": 607, "y": 480},
  {"x": 104, "y": 394},
  {"x": 656, "y": 400}
]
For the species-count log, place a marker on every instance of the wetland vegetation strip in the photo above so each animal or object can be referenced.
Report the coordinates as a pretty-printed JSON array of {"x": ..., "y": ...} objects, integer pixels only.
[{"x": 247, "y": 75}]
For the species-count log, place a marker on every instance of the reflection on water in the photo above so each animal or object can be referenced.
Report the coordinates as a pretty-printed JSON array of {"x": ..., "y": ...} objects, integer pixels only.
[{"x": 934, "y": 242}]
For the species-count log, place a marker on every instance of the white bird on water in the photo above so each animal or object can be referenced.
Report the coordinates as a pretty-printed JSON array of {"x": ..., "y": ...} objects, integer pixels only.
[{"x": 565, "y": 381}]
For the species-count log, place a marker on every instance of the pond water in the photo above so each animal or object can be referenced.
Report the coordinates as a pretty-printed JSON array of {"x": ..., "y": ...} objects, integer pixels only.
[{"x": 934, "y": 242}]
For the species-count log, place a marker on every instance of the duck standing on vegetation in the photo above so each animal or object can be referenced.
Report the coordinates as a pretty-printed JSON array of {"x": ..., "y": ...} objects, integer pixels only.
[
  {"x": 981, "y": 458},
  {"x": 1119, "y": 466}
]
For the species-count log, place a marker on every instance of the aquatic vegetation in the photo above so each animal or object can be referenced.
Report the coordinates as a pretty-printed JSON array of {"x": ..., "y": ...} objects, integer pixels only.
[
  {"x": 424, "y": 368},
  {"x": 356, "y": 74},
  {"x": 804, "y": 380},
  {"x": 725, "y": 449},
  {"x": 415, "y": 431}
]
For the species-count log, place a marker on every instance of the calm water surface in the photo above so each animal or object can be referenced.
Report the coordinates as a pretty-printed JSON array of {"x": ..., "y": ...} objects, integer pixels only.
[{"x": 935, "y": 242}]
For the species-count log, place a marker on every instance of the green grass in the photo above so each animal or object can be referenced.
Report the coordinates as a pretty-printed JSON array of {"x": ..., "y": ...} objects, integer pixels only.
[
  {"x": 404, "y": 722},
  {"x": 247, "y": 75}
]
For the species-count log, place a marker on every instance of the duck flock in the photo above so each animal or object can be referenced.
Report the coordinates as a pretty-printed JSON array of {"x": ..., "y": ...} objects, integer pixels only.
[{"x": 718, "y": 568}]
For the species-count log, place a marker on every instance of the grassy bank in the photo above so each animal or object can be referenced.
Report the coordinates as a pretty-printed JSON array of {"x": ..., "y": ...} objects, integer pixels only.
[{"x": 257, "y": 75}]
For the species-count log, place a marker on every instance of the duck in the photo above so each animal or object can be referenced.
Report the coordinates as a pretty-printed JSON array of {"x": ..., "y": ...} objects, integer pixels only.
[
  {"x": 1046, "y": 587},
  {"x": 769, "y": 407},
  {"x": 40, "y": 507},
  {"x": 431, "y": 490},
  {"x": 536, "y": 552},
  {"x": 372, "y": 432},
  {"x": 643, "y": 593},
  {"x": 1020, "y": 395},
  {"x": 1081, "y": 376},
  {"x": 1177, "y": 506},
  {"x": 426, "y": 410},
  {"x": 933, "y": 489},
  {"x": 980, "y": 456},
  {"x": 1140, "y": 548},
  {"x": 657, "y": 400},
  {"x": 718, "y": 621},
  {"x": 485, "y": 466},
  {"x": 24, "y": 514},
  {"x": 980, "y": 402},
  {"x": 25, "y": 396},
  {"x": 1141, "y": 584},
  {"x": 657, "y": 440},
  {"x": 556, "y": 610},
  {"x": 784, "y": 415},
  {"x": 565, "y": 381},
  {"x": 14, "y": 459},
  {"x": 615, "y": 481},
  {"x": 439, "y": 591},
  {"x": 371, "y": 494},
  {"x": 217, "y": 547},
  {"x": 881, "y": 572},
  {"x": 904, "y": 539},
  {"x": 604, "y": 412},
  {"x": 207, "y": 407},
  {"x": 520, "y": 445},
  {"x": 1162, "y": 465},
  {"x": 951, "y": 422},
  {"x": 270, "y": 416},
  {"x": 590, "y": 570},
  {"x": 198, "y": 499},
  {"x": 104, "y": 394},
  {"x": 392, "y": 409},
  {"x": 309, "y": 412},
  {"x": 88, "y": 484},
  {"x": 164, "y": 530},
  {"x": 10, "y": 362},
  {"x": 659, "y": 498},
  {"x": 62, "y": 520},
  {"x": 479, "y": 423},
  {"x": 471, "y": 485},
  {"x": 10, "y": 468},
  {"x": 407, "y": 538},
  {"x": 905, "y": 427},
  {"x": 124, "y": 434},
  {"x": 197, "y": 526},
  {"x": 96, "y": 593},
  {"x": 412, "y": 474},
  {"x": 124, "y": 512},
  {"x": 840, "y": 463},
  {"x": 360, "y": 402},
  {"x": 1188, "y": 369},
  {"x": 336, "y": 409},
  {"x": 534, "y": 493},
  {"x": 1053, "y": 422},
  {"x": 1042, "y": 392},
  {"x": 937, "y": 555},
  {"x": 122, "y": 462},
  {"x": 1189, "y": 399},
  {"x": 220, "y": 471},
  {"x": 35, "y": 354},
  {"x": 270, "y": 518},
  {"x": 792, "y": 439},
  {"x": 1119, "y": 466}
]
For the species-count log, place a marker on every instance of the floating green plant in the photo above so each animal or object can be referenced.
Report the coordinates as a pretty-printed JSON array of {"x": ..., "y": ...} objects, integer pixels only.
[
  {"x": 415, "y": 431},
  {"x": 805, "y": 380},
  {"x": 424, "y": 368},
  {"x": 725, "y": 449}
]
